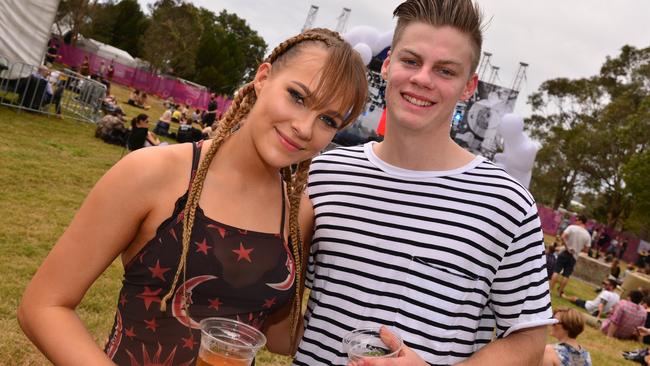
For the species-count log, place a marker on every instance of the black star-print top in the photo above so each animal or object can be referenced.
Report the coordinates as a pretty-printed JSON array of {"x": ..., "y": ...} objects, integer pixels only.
[{"x": 231, "y": 273}]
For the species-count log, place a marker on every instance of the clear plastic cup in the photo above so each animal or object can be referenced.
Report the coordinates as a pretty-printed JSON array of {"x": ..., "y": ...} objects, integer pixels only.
[
  {"x": 366, "y": 343},
  {"x": 227, "y": 342}
]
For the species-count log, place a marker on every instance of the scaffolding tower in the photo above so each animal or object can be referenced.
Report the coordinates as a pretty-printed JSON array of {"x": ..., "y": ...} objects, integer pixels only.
[
  {"x": 520, "y": 76},
  {"x": 482, "y": 67},
  {"x": 311, "y": 16},
  {"x": 343, "y": 20}
]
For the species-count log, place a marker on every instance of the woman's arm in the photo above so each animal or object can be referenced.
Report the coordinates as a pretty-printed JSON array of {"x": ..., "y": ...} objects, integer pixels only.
[
  {"x": 103, "y": 227},
  {"x": 278, "y": 325}
]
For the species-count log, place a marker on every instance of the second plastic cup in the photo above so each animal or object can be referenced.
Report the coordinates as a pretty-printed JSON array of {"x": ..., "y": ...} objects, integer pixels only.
[{"x": 366, "y": 343}]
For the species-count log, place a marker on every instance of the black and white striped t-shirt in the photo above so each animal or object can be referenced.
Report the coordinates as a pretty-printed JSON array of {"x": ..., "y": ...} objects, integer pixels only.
[{"x": 441, "y": 257}]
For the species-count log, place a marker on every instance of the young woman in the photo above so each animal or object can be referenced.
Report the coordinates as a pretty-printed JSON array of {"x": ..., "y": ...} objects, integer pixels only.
[
  {"x": 205, "y": 230},
  {"x": 140, "y": 135},
  {"x": 567, "y": 352}
]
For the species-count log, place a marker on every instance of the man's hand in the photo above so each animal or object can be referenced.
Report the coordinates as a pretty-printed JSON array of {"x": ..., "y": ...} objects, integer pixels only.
[{"x": 406, "y": 356}]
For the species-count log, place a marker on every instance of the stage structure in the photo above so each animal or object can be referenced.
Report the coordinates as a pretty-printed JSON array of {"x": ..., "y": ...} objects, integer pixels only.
[
  {"x": 343, "y": 20},
  {"x": 475, "y": 123},
  {"x": 311, "y": 16}
]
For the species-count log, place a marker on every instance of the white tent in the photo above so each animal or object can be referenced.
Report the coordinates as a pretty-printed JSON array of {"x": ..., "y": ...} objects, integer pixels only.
[
  {"x": 107, "y": 51},
  {"x": 25, "y": 29}
]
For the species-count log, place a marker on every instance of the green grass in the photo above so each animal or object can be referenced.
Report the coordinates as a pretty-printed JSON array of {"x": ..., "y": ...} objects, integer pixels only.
[{"x": 47, "y": 166}]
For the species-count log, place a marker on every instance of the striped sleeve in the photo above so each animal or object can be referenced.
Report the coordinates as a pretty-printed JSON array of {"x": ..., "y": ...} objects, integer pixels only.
[{"x": 520, "y": 295}]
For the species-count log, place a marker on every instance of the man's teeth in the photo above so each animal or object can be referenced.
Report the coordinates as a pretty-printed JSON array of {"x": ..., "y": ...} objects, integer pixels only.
[{"x": 418, "y": 102}]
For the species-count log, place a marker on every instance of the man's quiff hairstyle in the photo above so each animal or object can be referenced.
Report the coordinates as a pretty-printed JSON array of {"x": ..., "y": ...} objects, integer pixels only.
[{"x": 462, "y": 15}]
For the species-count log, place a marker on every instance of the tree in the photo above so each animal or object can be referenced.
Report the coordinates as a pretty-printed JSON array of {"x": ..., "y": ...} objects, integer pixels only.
[
  {"x": 562, "y": 109},
  {"x": 592, "y": 130},
  {"x": 171, "y": 41},
  {"x": 73, "y": 14},
  {"x": 229, "y": 52}
]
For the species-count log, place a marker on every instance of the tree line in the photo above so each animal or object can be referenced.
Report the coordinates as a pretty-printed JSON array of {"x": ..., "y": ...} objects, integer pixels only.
[
  {"x": 219, "y": 51},
  {"x": 595, "y": 134}
]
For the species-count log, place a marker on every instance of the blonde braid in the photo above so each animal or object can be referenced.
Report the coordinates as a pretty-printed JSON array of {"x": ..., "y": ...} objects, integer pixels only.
[
  {"x": 239, "y": 109},
  {"x": 298, "y": 184}
]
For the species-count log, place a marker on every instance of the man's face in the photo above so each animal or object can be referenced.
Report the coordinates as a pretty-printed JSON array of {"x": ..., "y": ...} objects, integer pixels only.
[{"x": 428, "y": 72}]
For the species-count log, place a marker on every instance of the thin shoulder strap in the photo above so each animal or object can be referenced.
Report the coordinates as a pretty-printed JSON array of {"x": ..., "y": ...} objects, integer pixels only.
[
  {"x": 196, "y": 157},
  {"x": 283, "y": 210}
]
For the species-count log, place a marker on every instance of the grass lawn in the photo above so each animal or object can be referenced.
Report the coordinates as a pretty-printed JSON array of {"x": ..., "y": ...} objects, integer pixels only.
[{"x": 47, "y": 166}]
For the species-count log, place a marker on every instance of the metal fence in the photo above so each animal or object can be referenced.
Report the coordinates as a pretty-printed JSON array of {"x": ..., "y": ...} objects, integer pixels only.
[{"x": 61, "y": 93}]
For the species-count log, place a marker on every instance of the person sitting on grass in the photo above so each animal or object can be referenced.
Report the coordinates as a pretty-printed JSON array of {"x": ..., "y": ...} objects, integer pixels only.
[
  {"x": 628, "y": 315},
  {"x": 140, "y": 135},
  {"x": 602, "y": 304},
  {"x": 138, "y": 99},
  {"x": 162, "y": 126},
  {"x": 567, "y": 352}
]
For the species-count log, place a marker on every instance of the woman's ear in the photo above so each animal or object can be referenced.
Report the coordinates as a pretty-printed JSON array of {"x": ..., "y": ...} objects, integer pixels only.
[{"x": 261, "y": 76}]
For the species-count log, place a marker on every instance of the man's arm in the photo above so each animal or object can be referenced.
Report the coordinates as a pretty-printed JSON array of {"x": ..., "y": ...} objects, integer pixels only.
[
  {"x": 524, "y": 347},
  {"x": 611, "y": 329}
]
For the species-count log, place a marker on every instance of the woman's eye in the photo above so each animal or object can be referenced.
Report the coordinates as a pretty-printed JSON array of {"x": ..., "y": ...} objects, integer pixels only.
[
  {"x": 329, "y": 121},
  {"x": 297, "y": 97}
]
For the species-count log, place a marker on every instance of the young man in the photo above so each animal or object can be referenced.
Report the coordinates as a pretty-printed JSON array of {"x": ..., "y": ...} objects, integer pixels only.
[
  {"x": 418, "y": 234},
  {"x": 628, "y": 315},
  {"x": 576, "y": 239},
  {"x": 602, "y": 303}
]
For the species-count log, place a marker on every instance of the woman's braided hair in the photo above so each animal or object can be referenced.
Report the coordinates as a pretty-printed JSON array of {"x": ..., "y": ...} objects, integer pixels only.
[{"x": 295, "y": 179}]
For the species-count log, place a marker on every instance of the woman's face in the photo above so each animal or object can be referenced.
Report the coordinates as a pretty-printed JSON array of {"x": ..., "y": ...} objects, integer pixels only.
[
  {"x": 557, "y": 330},
  {"x": 143, "y": 123},
  {"x": 285, "y": 126}
]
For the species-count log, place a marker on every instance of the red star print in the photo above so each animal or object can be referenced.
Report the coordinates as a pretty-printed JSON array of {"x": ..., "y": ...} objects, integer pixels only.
[
  {"x": 149, "y": 296},
  {"x": 151, "y": 324},
  {"x": 130, "y": 332},
  {"x": 243, "y": 253},
  {"x": 157, "y": 271},
  {"x": 189, "y": 342},
  {"x": 214, "y": 304},
  {"x": 268, "y": 303},
  {"x": 221, "y": 230},
  {"x": 123, "y": 300},
  {"x": 203, "y": 247}
]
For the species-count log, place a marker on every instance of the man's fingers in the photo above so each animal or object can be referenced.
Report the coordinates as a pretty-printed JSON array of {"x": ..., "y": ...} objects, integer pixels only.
[{"x": 391, "y": 340}]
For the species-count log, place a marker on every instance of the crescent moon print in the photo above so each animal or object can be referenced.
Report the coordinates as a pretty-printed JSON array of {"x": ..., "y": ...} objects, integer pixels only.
[
  {"x": 181, "y": 299},
  {"x": 286, "y": 284},
  {"x": 117, "y": 336}
]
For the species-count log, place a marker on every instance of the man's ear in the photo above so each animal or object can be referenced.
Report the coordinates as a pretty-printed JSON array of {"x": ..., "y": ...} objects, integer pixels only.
[
  {"x": 470, "y": 87},
  {"x": 261, "y": 76},
  {"x": 384, "y": 66}
]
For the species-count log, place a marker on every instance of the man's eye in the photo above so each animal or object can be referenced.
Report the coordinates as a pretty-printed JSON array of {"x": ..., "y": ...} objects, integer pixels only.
[
  {"x": 447, "y": 72},
  {"x": 410, "y": 62},
  {"x": 297, "y": 97}
]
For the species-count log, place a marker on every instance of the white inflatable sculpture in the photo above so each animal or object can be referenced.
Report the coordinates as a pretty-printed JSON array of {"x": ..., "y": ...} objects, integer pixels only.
[
  {"x": 368, "y": 41},
  {"x": 519, "y": 150}
]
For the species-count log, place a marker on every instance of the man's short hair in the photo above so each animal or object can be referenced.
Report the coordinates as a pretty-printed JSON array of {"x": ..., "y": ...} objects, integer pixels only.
[
  {"x": 636, "y": 296},
  {"x": 462, "y": 15},
  {"x": 611, "y": 282},
  {"x": 583, "y": 218}
]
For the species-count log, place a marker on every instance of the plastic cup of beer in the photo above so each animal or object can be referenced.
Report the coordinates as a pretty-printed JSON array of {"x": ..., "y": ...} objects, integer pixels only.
[
  {"x": 366, "y": 343},
  {"x": 227, "y": 342}
]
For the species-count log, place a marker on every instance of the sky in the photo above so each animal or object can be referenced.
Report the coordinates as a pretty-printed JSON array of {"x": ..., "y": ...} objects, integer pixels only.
[{"x": 557, "y": 38}]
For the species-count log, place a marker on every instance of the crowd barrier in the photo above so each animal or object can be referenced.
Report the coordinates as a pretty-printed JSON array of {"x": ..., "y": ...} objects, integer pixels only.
[
  {"x": 163, "y": 86},
  {"x": 61, "y": 93}
]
